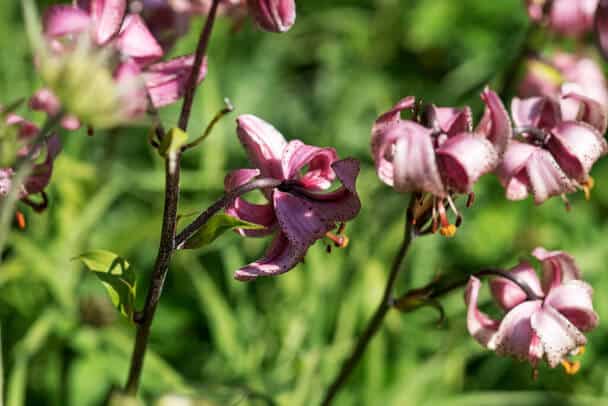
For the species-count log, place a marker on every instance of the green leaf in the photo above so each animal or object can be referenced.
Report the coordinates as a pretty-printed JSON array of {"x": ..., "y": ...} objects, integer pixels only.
[
  {"x": 216, "y": 226},
  {"x": 172, "y": 142},
  {"x": 117, "y": 277}
]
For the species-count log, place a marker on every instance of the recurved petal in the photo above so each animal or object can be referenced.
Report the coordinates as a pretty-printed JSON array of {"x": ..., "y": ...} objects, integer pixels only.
[
  {"x": 462, "y": 159},
  {"x": 573, "y": 300},
  {"x": 263, "y": 143},
  {"x": 319, "y": 175},
  {"x": 262, "y": 214},
  {"x": 451, "y": 121},
  {"x": 495, "y": 123},
  {"x": 414, "y": 164},
  {"x": 546, "y": 177},
  {"x": 507, "y": 294},
  {"x": 577, "y": 107},
  {"x": 273, "y": 15},
  {"x": 576, "y": 146},
  {"x": 239, "y": 177},
  {"x": 385, "y": 123},
  {"x": 515, "y": 336},
  {"x": 558, "y": 336},
  {"x": 137, "y": 42},
  {"x": 107, "y": 15},
  {"x": 167, "y": 81},
  {"x": 558, "y": 267},
  {"x": 480, "y": 325},
  {"x": 281, "y": 257},
  {"x": 511, "y": 170},
  {"x": 62, "y": 20},
  {"x": 41, "y": 173},
  {"x": 536, "y": 112}
]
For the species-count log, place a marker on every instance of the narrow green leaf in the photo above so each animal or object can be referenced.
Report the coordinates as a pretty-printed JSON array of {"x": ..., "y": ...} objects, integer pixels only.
[
  {"x": 116, "y": 275},
  {"x": 172, "y": 142},
  {"x": 216, "y": 226}
]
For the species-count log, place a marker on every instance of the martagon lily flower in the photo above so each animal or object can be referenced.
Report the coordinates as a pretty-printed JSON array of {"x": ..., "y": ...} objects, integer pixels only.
[
  {"x": 301, "y": 210},
  {"x": 138, "y": 53},
  {"x": 273, "y": 15},
  {"x": 558, "y": 145},
  {"x": 443, "y": 158},
  {"x": 549, "y": 325},
  {"x": 568, "y": 17}
]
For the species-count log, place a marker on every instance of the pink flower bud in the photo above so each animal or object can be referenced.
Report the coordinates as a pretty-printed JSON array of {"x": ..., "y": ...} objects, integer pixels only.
[{"x": 273, "y": 15}]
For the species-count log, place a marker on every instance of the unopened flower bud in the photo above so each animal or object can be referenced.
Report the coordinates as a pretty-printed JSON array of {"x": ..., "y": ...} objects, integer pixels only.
[{"x": 273, "y": 15}]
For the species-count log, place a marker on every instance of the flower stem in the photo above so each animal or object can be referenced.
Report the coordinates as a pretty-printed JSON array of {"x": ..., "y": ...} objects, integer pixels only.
[
  {"x": 201, "y": 219},
  {"x": 374, "y": 324},
  {"x": 167, "y": 239},
  {"x": 201, "y": 50}
]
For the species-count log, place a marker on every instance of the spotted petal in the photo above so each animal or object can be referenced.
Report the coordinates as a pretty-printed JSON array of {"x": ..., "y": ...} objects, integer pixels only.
[
  {"x": 557, "y": 334},
  {"x": 536, "y": 112},
  {"x": 573, "y": 300},
  {"x": 546, "y": 177},
  {"x": 449, "y": 120},
  {"x": 576, "y": 146},
  {"x": 463, "y": 159},
  {"x": 281, "y": 257},
  {"x": 414, "y": 164},
  {"x": 108, "y": 16},
  {"x": 512, "y": 169},
  {"x": 515, "y": 336},
  {"x": 577, "y": 107}
]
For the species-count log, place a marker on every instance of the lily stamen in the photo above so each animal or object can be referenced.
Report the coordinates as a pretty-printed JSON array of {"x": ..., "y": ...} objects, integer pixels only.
[
  {"x": 571, "y": 368},
  {"x": 447, "y": 229},
  {"x": 20, "y": 220},
  {"x": 340, "y": 241},
  {"x": 587, "y": 186}
]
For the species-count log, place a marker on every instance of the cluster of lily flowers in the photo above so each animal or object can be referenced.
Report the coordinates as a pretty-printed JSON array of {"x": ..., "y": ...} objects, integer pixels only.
[{"x": 546, "y": 147}]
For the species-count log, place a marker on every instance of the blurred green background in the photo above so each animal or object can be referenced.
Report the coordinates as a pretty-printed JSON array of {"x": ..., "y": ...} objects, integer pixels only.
[{"x": 227, "y": 343}]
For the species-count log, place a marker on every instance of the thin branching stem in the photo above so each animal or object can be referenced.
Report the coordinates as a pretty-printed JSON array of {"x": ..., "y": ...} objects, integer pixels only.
[{"x": 375, "y": 322}]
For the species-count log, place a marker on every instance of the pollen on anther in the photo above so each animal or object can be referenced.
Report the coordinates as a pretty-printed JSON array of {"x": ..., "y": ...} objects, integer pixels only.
[
  {"x": 20, "y": 220},
  {"x": 448, "y": 230},
  {"x": 571, "y": 368}
]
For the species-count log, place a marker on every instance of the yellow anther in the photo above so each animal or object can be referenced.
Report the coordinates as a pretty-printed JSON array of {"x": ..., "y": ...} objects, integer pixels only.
[
  {"x": 448, "y": 231},
  {"x": 340, "y": 241},
  {"x": 587, "y": 186},
  {"x": 571, "y": 368},
  {"x": 580, "y": 350}
]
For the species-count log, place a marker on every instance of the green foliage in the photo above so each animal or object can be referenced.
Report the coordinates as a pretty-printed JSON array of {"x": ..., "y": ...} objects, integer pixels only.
[
  {"x": 117, "y": 277},
  {"x": 227, "y": 342},
  {"x": 217, "y": 225}
]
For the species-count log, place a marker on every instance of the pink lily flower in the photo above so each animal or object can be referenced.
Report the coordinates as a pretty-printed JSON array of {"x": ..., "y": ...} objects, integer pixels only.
[
  {"x": 301, "y": 212},
  {"x": 111, "y": 27},
  {"x": 567, "y": 17},
  {"x": 557, "y": 148},
  {"x": 445, "y": 157},
  {"x": 273, "y": 15},
  {"x": 576, "y": 73},
  {"x": 41, "y": 173},
  {"x": 549, "y": 325}
]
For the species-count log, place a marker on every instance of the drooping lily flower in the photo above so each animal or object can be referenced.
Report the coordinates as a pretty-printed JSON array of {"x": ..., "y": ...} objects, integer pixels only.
[
  {"x": 302, "y": 211},
  {"x": 444, "y": 157},
  {"x": 549, "y": 325},
  {"x": 557, "y": 146},
  {"x": 567, "y": 17},
  {"x": 137, "y": 71},
  {"x": 40, "y": 175},
  {"x": 273, "y": 15},
  {"x": 577, "y": 73}
]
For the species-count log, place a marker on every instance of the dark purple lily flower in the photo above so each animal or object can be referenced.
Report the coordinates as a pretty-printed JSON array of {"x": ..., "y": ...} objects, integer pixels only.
[
  {"x": 41, "y": 173},
  {"x": 137, "y": 51},
  {"x": 443, "y": 158},
  {"x": 548, "y": 326},
  {"x": 273, "y": 15},
  {"x": 301, "y": 214},
  {"x": 557, "y": 147}
]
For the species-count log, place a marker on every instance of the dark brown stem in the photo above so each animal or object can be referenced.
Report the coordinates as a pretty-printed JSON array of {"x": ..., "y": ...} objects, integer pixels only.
[
  {"x": 376, "y": 321},
  {"x": 192, "y": 228},
  {"x": 167, "y": 239},
  {"x": 201, "y": 50}
]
